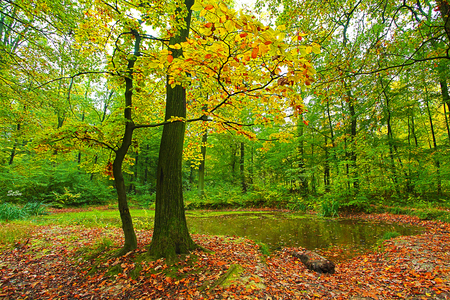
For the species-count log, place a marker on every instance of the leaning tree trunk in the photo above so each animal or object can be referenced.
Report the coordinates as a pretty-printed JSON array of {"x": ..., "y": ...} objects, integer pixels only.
[
  {"x": 171, "y": 235},
  {"x": 127, "y": 223},
  {"x": 130, "y": 242}
]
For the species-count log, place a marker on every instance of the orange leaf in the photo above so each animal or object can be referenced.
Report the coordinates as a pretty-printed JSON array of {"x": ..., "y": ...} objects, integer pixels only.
[
  {"x": 208, "y": 56},
  {"x": 209, "y": 7},
  {"x": 267, "y": 42},
  {"x": 242, "y": 35},
  {"x": 208, "y": 25},
  {"x": 255, "y": 52},
  {"x": 169, "y": 58}
]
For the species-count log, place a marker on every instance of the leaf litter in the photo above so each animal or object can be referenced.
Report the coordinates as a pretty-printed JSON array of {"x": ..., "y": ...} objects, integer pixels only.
[{"x": 74, "y": 262}]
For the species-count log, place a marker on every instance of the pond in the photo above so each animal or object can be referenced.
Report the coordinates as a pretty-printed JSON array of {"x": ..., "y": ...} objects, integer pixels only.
[{"x": 348, "y": 237}]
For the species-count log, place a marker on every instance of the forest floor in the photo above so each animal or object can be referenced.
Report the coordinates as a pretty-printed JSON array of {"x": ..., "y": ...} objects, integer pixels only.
[{"x": 75, "y": 262}]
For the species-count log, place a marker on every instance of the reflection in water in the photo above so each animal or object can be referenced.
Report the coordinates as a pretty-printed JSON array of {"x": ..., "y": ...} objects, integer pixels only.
[{"x": 279, "y": 230}]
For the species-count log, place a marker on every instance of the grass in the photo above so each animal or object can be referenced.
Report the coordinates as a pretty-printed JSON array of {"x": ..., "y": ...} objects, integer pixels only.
[
  {"x": 142, "y": 218},
  {"x": 390, "y": 235},
  {"x": 15, "y": 233},
  {"x": 10, "y": 212}
]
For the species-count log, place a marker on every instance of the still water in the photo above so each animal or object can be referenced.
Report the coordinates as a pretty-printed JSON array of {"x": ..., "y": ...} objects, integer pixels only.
[{"x": 279, "y": 230}]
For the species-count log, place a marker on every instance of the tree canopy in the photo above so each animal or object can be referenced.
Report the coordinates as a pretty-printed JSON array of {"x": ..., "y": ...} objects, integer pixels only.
[{"x": 293, "y": 104}]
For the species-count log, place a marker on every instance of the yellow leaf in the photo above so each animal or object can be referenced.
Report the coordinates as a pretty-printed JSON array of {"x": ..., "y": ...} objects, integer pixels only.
[
  {"x": 315, "y": 48},
  {"x": 197, "y": 6},
  {"x": 229, "y": 25},
  {"x": 223, "y": 7},
  {"x": 263, "y": 48},
  {"x": 176, "y": 46}
]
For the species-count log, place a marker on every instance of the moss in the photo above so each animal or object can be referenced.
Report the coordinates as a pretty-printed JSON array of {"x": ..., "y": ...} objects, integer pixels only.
[
  {"x": 263, "y": 248},
  {"x": 234, "y": 273},
  {"x": 134, "y": 273},
  {"x": 114, "y": 271}
]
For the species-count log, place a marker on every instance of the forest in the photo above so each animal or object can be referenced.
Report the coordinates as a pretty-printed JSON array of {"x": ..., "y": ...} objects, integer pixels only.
[{"x": 326, "y": 107}]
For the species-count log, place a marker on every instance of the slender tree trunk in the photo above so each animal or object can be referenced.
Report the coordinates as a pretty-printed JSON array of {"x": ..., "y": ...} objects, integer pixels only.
[
  {"x": 233, "y": 161},
  {"x": 433, "y": 135},
  {"x": 446, "y": 100},
  {"x": 14, "y": 149},
  {"x": 145, "y": 179},
  {"x": 313, "y": 174},
  {"x": 130, "y": 242},
  {"x": 326, "y": 168},
  {"x": 333, "y": 152},
  {"x": 390, "y": 137},
  {"x": 82, "y": 120},
  {"x": 301, "y": 160},
  {"x": 242, "y": 168},
  {"x": 354, "y": 171},
  {"x": 12, "y": 155},
  {"x": 413, "y": 129},
  {"x": 201, "y": 169},
  {"x": 171, "y": 235},
  {"x": 95, "y": 162},
  {"x": 346, "y": 154},
  {"x": 125, "y": 216},
  {"x": 250, "y": 169}
]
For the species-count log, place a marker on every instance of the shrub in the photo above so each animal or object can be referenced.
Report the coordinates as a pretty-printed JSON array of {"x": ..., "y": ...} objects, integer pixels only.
[
  {"x": 329, "y": 208},
  {"x": 298, "y": 204},
  {"x": 10, "y": 212},
  {"x": 390, "y": 235},
  {"x": 62, "y": 183}
]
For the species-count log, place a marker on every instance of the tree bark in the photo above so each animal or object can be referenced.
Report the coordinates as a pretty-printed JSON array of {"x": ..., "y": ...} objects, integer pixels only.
[
  {"x": 130, "y": 242},
  {"x": 354, "y": 172},
  {"x": 444, "y": 9},
  {"x": 242, "y": 168},
  {"x": 171, "y": 235},
  {"x": 433, "y": 135},
  {"x": 446, "y": 100},
  {"x": 301, "y": 160},
  {"x": 390, "y": 137},
  {"x": 326, "y": 168}
]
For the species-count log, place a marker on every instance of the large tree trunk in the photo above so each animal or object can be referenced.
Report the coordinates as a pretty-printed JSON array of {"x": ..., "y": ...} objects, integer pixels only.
[
  {"x": 444, "y": 9},
  {"x": 171, "y": 235}
]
